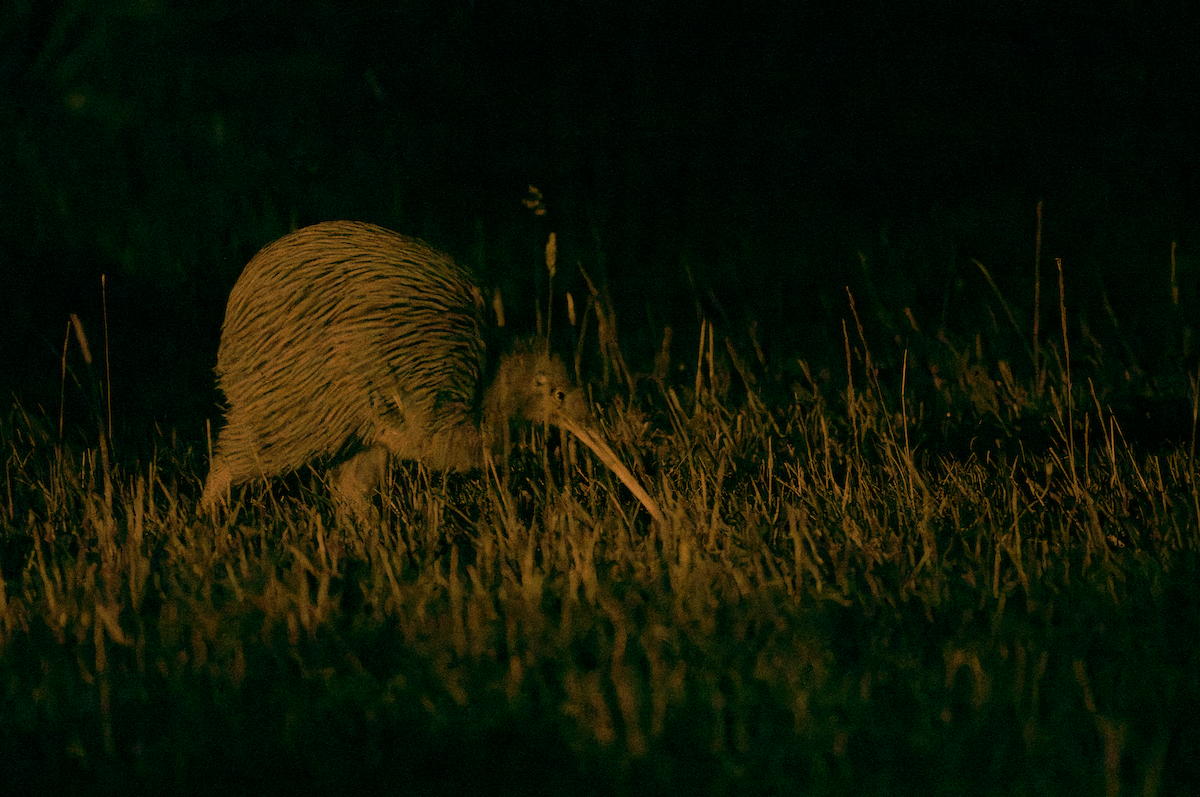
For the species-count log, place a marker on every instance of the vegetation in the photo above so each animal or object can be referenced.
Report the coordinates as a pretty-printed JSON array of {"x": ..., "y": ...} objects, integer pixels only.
[
  {"x": 922, "y": 536},
  {"x": 935, "y": 575}
]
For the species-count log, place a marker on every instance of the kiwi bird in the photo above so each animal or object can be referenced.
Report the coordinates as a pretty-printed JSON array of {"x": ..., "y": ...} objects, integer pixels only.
[{"x": 346, "y": 343}]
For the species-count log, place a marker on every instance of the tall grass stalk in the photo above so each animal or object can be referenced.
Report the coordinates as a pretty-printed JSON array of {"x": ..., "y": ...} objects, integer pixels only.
[{"x": 879, "y": 608}]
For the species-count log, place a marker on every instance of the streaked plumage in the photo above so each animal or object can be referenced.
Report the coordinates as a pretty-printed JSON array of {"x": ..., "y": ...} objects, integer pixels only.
[{"x": 345, "y": 341}]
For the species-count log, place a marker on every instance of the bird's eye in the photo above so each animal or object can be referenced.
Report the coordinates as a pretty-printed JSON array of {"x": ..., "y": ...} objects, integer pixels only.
[{"x": 560, "y": 396}]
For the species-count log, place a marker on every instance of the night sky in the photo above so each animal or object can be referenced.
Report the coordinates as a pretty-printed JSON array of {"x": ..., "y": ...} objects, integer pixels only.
[{"x": 742, "y": 161}]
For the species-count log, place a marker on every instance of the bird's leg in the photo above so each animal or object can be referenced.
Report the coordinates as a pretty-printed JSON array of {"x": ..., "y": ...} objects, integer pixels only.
[
  {"x": 354, "y": 481},
  {"x": 216, "y": 486}
]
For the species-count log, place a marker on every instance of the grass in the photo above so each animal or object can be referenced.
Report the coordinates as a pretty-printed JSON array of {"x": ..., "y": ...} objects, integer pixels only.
[
  {"x": 934, "y": 575},
  {"x": 945, "y": 565}
]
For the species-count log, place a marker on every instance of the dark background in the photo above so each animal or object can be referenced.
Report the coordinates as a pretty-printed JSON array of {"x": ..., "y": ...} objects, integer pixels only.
[{"x": 742, "y": 162}]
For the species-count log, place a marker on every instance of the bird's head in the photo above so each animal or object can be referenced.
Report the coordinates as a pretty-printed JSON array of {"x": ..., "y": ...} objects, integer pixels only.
[{"x": 531, "y": 386}]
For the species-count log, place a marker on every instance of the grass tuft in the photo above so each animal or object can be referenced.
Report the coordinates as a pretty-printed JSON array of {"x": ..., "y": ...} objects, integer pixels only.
[{"x": 954, "y": 574}]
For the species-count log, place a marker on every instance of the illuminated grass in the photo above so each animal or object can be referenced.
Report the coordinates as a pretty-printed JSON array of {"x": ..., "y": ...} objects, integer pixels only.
[{"x": 838, "y": 602}]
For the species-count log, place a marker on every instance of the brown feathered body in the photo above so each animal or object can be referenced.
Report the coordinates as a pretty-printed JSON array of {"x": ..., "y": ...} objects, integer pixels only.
[{"x": 346, "y": 342}]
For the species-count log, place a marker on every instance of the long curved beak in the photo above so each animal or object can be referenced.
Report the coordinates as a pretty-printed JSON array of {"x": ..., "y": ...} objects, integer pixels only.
[{"x": 609, "y": 458}]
